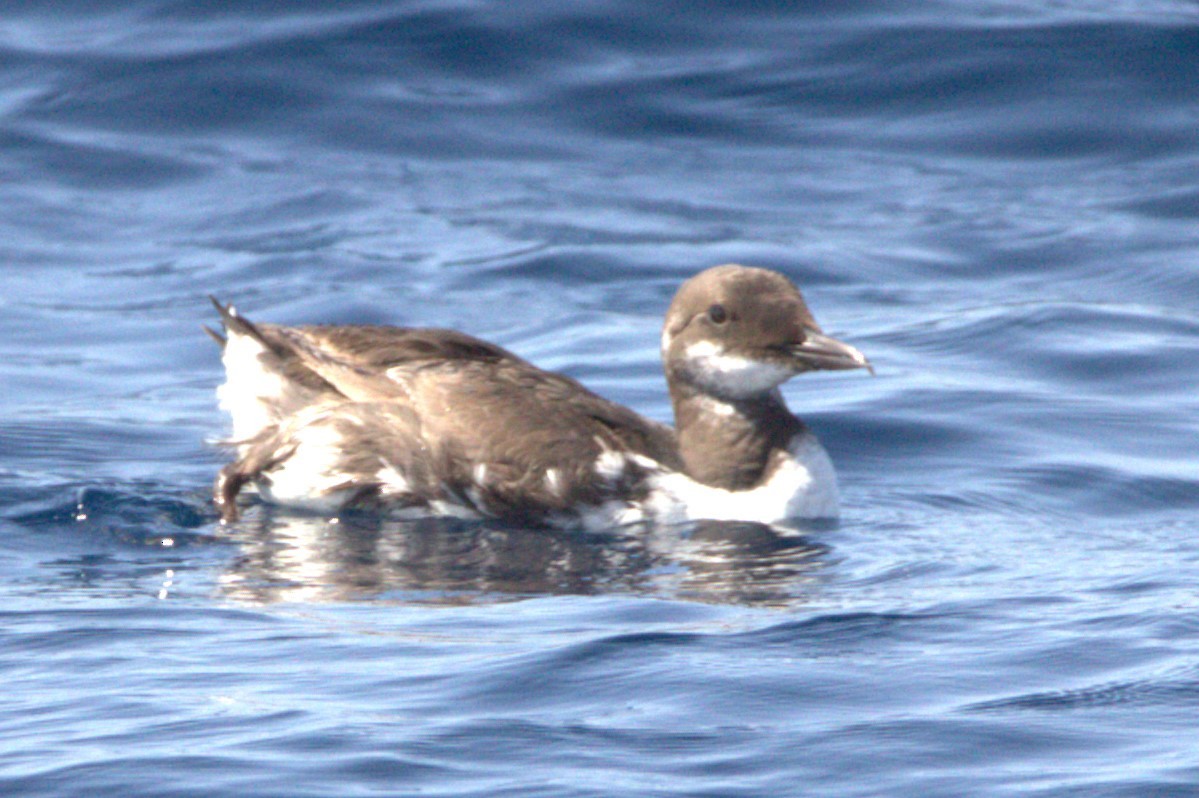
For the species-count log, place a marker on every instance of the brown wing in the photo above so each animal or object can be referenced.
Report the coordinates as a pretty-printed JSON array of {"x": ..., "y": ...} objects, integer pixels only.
[
  {"x": 448, "y": 375},
  {"x": 540, "y": 434},
  {"x": 463, "y": 387},
  {"x": 537, "y": 434},
  {"x": 379, "y": 347}
]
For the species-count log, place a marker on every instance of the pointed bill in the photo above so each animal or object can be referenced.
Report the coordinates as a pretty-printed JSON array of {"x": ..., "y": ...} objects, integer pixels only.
[{"x": 819, "y": 351}]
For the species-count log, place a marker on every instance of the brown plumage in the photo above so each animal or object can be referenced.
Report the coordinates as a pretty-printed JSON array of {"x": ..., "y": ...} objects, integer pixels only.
[
  {"x": 421, "y": 402},
  {"x": 439, "y": 421}
]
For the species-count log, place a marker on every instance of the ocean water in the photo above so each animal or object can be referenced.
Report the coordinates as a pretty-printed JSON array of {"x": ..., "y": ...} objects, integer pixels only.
[{"x": 997, "y": 201}]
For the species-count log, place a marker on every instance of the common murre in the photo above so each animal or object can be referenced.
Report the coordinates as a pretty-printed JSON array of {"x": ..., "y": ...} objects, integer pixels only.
[{"x": 436, "y": 422}]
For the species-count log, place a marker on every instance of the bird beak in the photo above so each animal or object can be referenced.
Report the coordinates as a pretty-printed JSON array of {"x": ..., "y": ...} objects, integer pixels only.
[{"x": 819, "y": 351}]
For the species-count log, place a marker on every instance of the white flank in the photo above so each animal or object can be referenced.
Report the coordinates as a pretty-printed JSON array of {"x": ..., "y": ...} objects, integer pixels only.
[
  {"x": 249, "y": 388},
  {"x": 603, "y": 517},
  {"x": 392, "y": 482},
  {"x": 307, "y": 479},
  {"x": 451, "y": 509},
  {"x": 610, "y": 465},
  {"x": 474, "y": 495},
  {"x": 553, "y": 481},
  {"x": 732, "y": 375}
]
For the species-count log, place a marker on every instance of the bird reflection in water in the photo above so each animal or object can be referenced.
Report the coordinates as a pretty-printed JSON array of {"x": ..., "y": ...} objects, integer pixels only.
[{"x": 289, "y": 557}]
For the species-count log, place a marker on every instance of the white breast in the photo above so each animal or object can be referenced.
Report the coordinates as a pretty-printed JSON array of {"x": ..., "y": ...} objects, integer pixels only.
[{"x": 803, "y": 486}]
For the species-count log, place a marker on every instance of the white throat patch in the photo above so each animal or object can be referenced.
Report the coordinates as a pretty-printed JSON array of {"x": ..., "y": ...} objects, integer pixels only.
[{"x": 732, "y": 375}]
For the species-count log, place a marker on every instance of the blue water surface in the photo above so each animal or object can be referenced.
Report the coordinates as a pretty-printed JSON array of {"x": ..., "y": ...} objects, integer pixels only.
[{"x": 997, "y": 201}]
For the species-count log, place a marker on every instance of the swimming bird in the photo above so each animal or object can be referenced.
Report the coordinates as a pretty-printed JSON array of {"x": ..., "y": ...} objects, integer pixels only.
[{"x": 417, "y": 421}]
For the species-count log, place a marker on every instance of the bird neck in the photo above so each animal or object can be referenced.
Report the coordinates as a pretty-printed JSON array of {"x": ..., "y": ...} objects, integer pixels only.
[{"x": 730, "y": 444}]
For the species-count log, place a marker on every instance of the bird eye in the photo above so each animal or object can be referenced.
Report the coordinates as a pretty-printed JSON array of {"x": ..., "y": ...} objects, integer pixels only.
[{"x": 718, "y": 314}]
